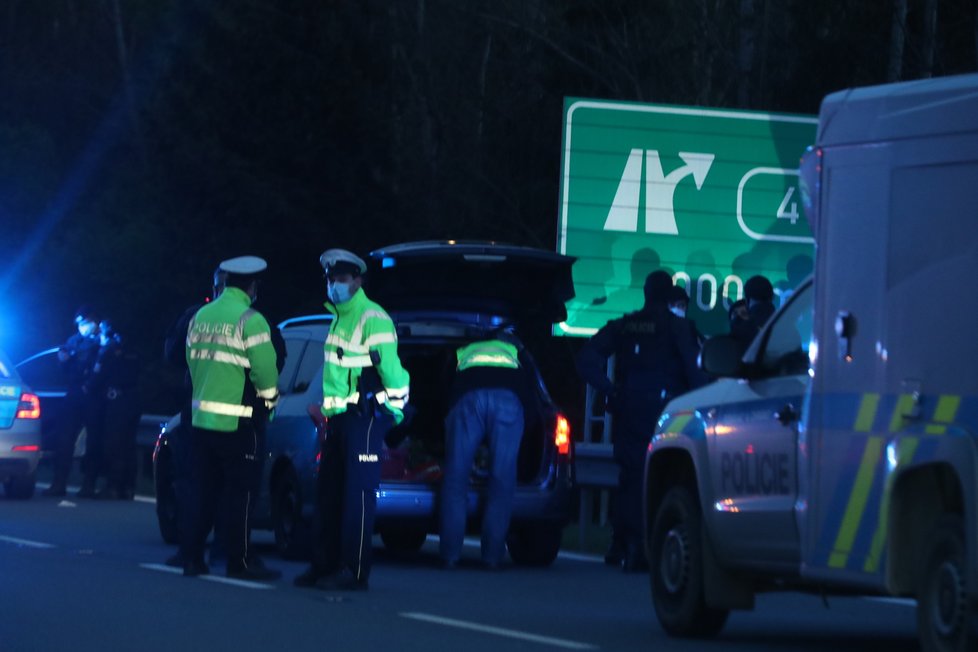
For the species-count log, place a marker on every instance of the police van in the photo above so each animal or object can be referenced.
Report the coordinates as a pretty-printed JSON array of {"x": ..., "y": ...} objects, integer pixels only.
[{"x": 838, "y": 454}]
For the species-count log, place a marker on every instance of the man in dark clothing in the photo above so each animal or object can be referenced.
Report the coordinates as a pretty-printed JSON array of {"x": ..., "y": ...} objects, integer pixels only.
[
  {"x": 114, "y": 381},
  {"x": 488, "y": 400},
  {"x": 80, "y": 409},
  {"x": 758, "y": 306},
  {"x": 655, "y": 359}
]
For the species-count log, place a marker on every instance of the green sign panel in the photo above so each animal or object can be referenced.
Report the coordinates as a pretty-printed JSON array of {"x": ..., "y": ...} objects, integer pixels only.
[{"x": 711, "y": 196}]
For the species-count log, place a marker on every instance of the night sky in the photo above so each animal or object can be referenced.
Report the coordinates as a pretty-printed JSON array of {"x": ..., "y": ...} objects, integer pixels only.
[{"x": 143, "y": 142}]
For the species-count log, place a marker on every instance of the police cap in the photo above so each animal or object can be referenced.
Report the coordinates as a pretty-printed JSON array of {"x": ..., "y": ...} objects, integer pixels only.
[
  {"x": 758, "y": 288},
  {"x": 341, "y": 261},
  {"x": 243, "y": 265}
]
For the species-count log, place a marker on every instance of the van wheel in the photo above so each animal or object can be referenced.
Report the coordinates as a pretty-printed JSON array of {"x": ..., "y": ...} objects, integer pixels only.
[
  {"x": 946, "y": 618},
  {"x": 534, "y": 544},
  {"x": 166, "y": 497},
  {"x": 676, "y": 569},
  {"x": 403, "y": 539},
  {"x": 20, "y": 488},
  {"x": 292, "y": 533}
]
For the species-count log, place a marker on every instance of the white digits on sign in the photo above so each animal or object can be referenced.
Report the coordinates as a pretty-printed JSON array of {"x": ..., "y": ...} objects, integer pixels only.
[
  {"x": 784, "y": 211},
  {"x": 681, "y": 276},
  {"x": 734, "y": 280},
  {"x": 711, "y": 280}
]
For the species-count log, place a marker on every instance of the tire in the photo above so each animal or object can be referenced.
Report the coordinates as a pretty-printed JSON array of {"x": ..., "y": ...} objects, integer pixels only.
[
  {"x": 403, "y": 539},
  {"x": 20, "y": 488},
  {"x": 535, "y": 544},
  {"x": 676, "y": 569},
  {"x": 292, "y": 532},
  {"x": 946, "y": 617},
  {"x": 166, "y": 497}
]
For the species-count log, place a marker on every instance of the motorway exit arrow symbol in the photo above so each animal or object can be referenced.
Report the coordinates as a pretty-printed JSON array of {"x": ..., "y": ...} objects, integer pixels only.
[{"x": 660, "y": 189}]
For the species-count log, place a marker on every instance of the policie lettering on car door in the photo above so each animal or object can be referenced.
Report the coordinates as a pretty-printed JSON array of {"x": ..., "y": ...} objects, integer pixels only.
[{"x": 755, "y": 443}]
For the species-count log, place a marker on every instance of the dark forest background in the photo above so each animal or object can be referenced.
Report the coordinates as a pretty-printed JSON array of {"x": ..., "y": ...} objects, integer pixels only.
[{"x": 142, "y": 141}]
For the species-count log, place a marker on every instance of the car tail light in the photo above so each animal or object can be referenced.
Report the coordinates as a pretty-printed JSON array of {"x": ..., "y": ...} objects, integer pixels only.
[
  {"x": 29, "y": 407},
  {"x": 562, "y": 435},
  {"x": 26, "y": 449}
]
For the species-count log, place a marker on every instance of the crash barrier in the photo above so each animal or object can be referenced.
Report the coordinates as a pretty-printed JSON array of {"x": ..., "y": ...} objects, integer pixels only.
[{"x": 596, "y": 474}]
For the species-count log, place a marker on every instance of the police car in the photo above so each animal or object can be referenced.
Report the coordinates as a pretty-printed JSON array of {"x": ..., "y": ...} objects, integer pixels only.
[
  {"x": 441, "y": 295},
  {"x": 20, "y": 433}
]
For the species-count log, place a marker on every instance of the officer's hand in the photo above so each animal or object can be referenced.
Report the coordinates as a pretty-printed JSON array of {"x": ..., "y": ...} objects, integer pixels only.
[
  {"x": 270, "y": 403},
  {"x": 63, "y": 355}
]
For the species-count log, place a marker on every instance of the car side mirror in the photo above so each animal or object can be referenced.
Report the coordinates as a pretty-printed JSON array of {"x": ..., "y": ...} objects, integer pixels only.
[{"x": 722, "y": 357}]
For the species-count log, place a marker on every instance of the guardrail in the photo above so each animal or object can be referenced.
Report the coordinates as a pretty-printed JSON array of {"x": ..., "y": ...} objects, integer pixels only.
[{"x": 596, "y": 471}]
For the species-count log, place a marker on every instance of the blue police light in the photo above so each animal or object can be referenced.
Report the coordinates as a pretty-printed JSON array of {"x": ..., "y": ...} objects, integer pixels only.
[{"x": 387, "y": 261}]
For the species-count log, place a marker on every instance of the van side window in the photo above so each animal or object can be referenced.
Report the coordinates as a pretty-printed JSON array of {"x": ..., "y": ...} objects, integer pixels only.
[{"x": 786, "y": 349}]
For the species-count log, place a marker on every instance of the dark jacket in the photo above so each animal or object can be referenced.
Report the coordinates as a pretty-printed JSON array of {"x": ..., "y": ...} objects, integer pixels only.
[{"x": 655, "y": 356}]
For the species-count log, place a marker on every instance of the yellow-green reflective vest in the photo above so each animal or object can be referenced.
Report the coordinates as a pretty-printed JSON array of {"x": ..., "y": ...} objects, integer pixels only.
[
  {"x": 490, "y": 353},
  {"x": 362, "y": 327},
  {"x": 228, "y": 343}
]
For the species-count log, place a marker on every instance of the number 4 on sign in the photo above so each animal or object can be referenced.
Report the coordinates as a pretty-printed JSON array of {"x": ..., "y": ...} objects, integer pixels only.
[{"x": 786, "y": 213}]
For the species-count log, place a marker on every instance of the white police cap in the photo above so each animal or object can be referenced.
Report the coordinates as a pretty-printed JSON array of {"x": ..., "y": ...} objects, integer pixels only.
[
  {"x": 333, "y": 258},
  {"x": 243, "y": 265}
]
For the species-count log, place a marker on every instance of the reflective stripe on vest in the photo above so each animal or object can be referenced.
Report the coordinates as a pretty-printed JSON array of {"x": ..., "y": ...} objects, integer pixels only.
[{"x": 224, "y": 409}]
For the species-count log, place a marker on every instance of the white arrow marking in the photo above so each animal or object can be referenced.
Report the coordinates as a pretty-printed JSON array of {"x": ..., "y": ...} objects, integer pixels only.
[
  {"x": 660, "y": 216},
  {"x": 623, "y": 215}
]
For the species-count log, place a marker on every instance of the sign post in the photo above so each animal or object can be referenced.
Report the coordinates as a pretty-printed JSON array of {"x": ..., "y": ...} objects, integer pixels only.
[{"x": 711, "y": 196}]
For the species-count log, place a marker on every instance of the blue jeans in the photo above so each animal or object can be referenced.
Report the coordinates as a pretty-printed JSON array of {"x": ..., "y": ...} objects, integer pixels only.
[{"x": 494, "y": 415}]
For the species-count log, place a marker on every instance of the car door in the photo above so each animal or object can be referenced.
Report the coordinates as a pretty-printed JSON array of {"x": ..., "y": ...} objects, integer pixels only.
[
  {"x": 43, "y": 374},
  {"x": 754, "y": 443}
]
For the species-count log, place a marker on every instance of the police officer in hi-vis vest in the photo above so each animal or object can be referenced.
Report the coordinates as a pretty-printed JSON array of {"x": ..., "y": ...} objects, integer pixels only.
[
  {"x": 231, "y": 360},
  {"x": 365, "y": 389}
]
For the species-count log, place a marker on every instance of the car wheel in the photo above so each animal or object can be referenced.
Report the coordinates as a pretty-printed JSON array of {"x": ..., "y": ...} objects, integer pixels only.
[
  {"x": 21, "y": 487},
  {"x": 403, "y": 539},
  {"x": 166, "y": 496},
  {"x": 676, "y": 569},
  {"x": 534, "y": 544},
  {"x": 291, "y": 531},
  {"x": 946, "y": 619}
]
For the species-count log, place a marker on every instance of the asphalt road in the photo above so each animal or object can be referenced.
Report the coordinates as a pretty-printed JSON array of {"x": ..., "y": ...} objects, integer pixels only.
[{"x": 82, "y": 575}]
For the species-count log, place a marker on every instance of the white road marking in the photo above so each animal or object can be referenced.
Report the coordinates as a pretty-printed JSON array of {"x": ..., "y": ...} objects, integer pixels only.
[
  {"x": 211, "y": 578},
  {"x": 27, "y": 543},
  {"x": 163, "y": 568},
  {"x": 903, "y": 602},
  {"x": 499, "y": 631},
  {"x": 242, "y": 583}
]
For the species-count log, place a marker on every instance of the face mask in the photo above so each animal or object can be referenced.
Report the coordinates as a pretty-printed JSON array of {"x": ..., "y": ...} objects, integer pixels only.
[
  {"x": 86, "y": 328},
  {"x": 338, "y": 292},
  {"x": 677, "y": 311}
]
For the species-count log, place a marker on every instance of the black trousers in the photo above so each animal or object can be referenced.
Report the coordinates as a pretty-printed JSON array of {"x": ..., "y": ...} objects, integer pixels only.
[
  {"x": 221, "y": 480},
  {"x": 349, "y": 473},
  {"x": 120, "y": 420},
  {"x": 633, "y": 427},
  {"x": 79, "y": 410}
]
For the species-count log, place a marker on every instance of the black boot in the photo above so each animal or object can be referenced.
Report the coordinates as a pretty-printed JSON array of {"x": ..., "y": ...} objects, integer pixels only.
[
  {"x": 634, "y": 561},
  {"x": 616, "y": 552},
  {"x": 88, "y": 488}
]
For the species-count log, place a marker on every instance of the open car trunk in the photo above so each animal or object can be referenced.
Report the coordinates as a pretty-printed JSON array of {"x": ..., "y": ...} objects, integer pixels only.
[{"x": 416, "y": 448}]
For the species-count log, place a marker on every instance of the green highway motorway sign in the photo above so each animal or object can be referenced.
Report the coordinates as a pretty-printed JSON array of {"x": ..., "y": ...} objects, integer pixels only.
[{"x": 709, "y": 195}]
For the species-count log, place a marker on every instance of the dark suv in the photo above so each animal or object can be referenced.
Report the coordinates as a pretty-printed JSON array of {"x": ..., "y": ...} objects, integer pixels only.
[{"x": 441, "y": 296}]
